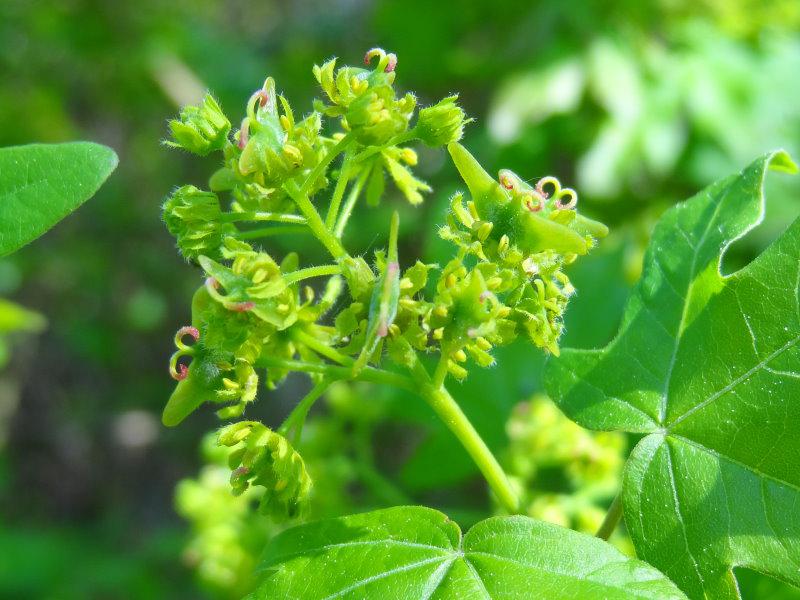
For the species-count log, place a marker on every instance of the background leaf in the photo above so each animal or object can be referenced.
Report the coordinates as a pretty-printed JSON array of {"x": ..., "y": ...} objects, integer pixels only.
[
  {"x": 708, "y": 366},
  {"x": 40, "y": 184},
  {"x": 416, "y": 552}
]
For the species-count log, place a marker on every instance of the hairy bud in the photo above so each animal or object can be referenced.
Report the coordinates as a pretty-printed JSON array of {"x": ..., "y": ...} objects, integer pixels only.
[
  {"x": 262, "y": 457},
  {"x": 193, "y": 216},
  {"x": 441, "y": 124},
  {"x": 200, "y": 129}
]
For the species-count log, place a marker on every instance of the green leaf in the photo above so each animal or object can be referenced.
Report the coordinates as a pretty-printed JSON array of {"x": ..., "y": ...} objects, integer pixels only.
[
  {"x": 417, "y": 552},
  {"x": 708, "y": 366},
  {"x": 40, "y": 184}
]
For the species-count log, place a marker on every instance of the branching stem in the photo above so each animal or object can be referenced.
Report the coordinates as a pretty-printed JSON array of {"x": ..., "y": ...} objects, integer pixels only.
[
  {"x": 450, "y": 412},
  {"x": 338, "y": 191},
  {"x": 352, "y": 198},
  {"x": 317, "y": 172},
  {"x": 322, "y": 348},
  {"x": 314, "y": 221},
  {"x": 298, "y": 415},
  {"x": 336, "y": 372}
]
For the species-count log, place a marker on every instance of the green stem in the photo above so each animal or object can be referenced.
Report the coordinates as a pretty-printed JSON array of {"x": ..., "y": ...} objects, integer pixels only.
[
  {"x": 298, "y": 415},
  {"x": 398, "y": 139},
  {"x": 338, "y": 191},
  {"x": 440, "y": 374},
  {"x": 336, "y": 372},
  {"x": 253, "y": 234},
  {"x": 315, "y": 223},
  {"x": 233, "y": 217},
  {"x": 612, "y": 519},
  {"x": 317, "y": 172},
  {"x": 450, "y": 412},
  {"x": 308, "y": 272},
  {"x": 350, "y": 203},
  {"x": 321, "y": 348}
]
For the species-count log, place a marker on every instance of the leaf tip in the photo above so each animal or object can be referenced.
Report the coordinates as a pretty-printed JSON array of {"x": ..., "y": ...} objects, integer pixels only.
[{"x": 782, "y": 162}]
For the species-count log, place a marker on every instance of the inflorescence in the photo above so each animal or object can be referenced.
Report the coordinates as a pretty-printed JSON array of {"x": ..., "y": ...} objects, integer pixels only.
[{"x": 255, "y": 319}]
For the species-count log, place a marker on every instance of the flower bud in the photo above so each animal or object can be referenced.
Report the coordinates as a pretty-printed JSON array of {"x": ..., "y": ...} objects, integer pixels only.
[
  {"x": 442, "y": 123},
  {"x": 265, "y": 458},
  {"x": 376, "y": 116},
  {"x": 200, "y": 129},
  {"x": 366, "y": 99},
  {"x": 193, "y": 217}
]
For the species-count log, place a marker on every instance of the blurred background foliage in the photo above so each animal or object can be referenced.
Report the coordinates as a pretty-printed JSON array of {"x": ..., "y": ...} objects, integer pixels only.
[{"x": 636, "y": 104}]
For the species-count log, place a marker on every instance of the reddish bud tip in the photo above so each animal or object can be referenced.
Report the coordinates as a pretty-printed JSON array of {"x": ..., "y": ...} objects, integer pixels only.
[
  {"x": 484, "y": 295},
  {"x": 212, "y": 283},
  {"x": 391, "y": 64},
  {"x": 181, "y": 374},
  {"x": 534, "y": 204},
  {"x": 244, "y": 134},
  {"x": 242, "y": 306},
  {"x": 263, "y": 97}
]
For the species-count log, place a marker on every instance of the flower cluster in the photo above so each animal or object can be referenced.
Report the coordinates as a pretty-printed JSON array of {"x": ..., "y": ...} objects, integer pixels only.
[
  {"x": 528, "y": 235},
  {"x": 565, "y": 473},
  {"x": 264, "y": 458},
  {"x": 227, "y": 535},
  {"x": 255, "y": 318}
]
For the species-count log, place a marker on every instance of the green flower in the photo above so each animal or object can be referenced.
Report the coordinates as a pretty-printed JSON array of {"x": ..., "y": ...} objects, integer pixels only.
[
  {"x": 223, "y": 356},
  {"x": 542, "y": 439},
  {"x": 366, "y": 99},
  {"x": 253, "y": 283},
  {"x": 262, "y": 457},
  {"x": 467, "y": 315},
  {"x": 200, "y": 129},
  {"x": 273, "y": 146},
  {"x": 530, "y": 232},
  {"x": 525, "y": 219}
]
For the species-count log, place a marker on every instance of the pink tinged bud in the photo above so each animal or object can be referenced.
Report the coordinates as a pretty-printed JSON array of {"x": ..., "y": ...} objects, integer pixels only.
[
  {"x": 383, "y": 329},
  {"x": 244, "y": 134},
  {"x": 392, "y": 268},
  {"x": 240, "y": 472},
  {"x": 241, "y": 306},
  {"x": 212, "y": 283},
  {"x": 484, "y": 295},
  {"x": 472, "y": 333},
  {"x": 388, "y": 60},
  {"x": 263, "y": 97}
]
